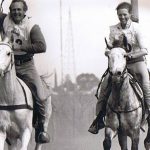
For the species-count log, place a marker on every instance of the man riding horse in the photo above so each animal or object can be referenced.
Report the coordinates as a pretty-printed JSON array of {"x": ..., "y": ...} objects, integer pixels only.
[
  {"x": 27, "y": 40},
  {"x": 135, "y": 61}
]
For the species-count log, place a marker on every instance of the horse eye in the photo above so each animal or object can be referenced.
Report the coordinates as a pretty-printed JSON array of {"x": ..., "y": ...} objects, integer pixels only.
[{"x": 8, "y": 54}]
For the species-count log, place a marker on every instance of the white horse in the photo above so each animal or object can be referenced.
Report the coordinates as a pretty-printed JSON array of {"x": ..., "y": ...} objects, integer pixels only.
[
  {"x": 15, "y": 118},
  {"x": 124, "y": 111}
]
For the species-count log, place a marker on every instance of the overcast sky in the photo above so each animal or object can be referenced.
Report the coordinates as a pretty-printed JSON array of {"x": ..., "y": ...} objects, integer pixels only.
[{"x": 90, "y": 22}]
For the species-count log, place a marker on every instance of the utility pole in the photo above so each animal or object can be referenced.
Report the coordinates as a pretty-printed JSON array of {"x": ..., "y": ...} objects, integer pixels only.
[
  {"x": 69, "y": 64},
  {"x": 61, "y": 42},
  {"x": 135, "y": 13}
]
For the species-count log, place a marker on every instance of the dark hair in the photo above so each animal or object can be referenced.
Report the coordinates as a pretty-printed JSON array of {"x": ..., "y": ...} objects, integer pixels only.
[
  {"x": 25, "y": 7},
  {"x": 124, "y": 5}
]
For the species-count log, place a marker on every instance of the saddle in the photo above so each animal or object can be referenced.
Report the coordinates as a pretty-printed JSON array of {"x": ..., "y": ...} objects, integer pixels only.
[
  {"x": 35, "y": 97},
  {"x": 135, "y": 85}
]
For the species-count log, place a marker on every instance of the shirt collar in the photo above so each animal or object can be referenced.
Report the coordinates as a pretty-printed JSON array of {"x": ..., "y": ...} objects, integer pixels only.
[
  {"x": 22, "y": 22},
  {"x": 127, "y": 25}
]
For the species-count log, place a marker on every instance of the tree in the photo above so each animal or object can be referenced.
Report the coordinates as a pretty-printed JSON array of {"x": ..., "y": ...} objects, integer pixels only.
[{"x": 87, "y": 81}]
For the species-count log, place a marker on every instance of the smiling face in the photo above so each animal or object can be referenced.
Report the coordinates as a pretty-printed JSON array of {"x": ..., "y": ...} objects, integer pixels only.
[
  {"x": 17, "y": 12},
  {"x": 124, "y": 16}
]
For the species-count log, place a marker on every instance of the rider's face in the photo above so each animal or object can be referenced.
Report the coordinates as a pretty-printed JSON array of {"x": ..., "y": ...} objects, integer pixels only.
[
  {"x": 124, "y": 16},
  {"x": 17, "y": 12}
]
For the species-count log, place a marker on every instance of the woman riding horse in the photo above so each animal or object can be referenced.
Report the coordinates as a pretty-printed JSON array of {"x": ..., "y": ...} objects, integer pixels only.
[{"x": 136, "y": 63}]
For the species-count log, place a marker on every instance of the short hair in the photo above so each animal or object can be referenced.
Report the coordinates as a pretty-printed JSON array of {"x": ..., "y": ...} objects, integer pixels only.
[
  {"x": 25, "y": 7},
  {"x": 125, "y": 5}
]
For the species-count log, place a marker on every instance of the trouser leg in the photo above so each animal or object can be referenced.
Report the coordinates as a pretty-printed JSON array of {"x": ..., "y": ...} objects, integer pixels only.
[
  {"x": 28, "y": 73},
  {"x": 146, "y": 91},
  {"x": 146, "y": 87},
  {"x": 40, "y": 134},
  {"x": 140, "y": 69},
  {"x": 103, "y": 95},
  {"x": 105, "y": 90}
]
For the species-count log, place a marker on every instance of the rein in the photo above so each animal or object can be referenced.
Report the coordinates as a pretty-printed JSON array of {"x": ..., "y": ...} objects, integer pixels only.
[
  {"x": 122, "y": 111},
  {"x": 103, "y": 76},
  {"x": 121, "y": 83}
]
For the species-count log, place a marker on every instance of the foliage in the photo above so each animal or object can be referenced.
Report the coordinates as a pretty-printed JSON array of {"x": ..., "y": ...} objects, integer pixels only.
[{"x": 87, "y": 81}]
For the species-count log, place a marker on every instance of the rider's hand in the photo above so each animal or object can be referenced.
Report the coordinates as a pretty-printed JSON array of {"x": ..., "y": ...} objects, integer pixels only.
[
  {"x": 129, "y": 56},
  {"x": 16, "y": 47},
  {"x": 24, "y": 45}
]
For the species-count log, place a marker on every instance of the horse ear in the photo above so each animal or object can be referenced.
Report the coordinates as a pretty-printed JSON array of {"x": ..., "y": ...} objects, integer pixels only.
[
  {"x": 107, "y": 52},
  {"x": 126, "y": 44},
  {"x": 129, "y": 47},
  {"x": 125, "y": 55},
  {"x": 125, "y": 41},
  {"x": 6, "y": 40},
  {"x": 107, "y": 45}
]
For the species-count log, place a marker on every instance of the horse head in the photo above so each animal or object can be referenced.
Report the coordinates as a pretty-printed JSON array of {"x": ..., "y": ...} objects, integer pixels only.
[
  {"x": 6, "y": 59},
  {"x": 116, "y": 62}
]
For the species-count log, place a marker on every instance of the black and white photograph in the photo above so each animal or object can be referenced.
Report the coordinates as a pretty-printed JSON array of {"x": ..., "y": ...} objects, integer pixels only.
[{"x": 74, "y": 75}]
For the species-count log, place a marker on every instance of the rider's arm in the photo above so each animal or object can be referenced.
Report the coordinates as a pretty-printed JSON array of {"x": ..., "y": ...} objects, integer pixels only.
[
  {"x": 141, "y": 43},
  {"x": 38, "y": 44},
  {"x": 137, "y": 54}
]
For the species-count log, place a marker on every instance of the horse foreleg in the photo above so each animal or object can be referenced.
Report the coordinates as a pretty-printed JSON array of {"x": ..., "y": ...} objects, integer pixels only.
[
  {"x": 135, "y": 140},
  {"x": 26, "y": 135},
  {"x": 13, "y": 145},
  {"x": 122, "y": 141},
  {"x": 135, "y": 143},
  {"x": 38, "y": 146},
  {"x": 109, "y": 134},
  {"x": 147, "y": 139},
  {"x": 2, "y": 140}
]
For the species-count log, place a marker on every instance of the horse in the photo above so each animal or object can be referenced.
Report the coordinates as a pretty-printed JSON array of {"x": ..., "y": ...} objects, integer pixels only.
[
  {"x": 124, "y": 111},
  {"x": 16, "y": 104}
]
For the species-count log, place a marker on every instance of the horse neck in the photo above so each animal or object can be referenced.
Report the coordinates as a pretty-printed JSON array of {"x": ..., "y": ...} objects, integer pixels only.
[
  {"x": 119, "y": 89},
  {"x": 8, "y": 87},
  {"x": 125, "y": 95}
]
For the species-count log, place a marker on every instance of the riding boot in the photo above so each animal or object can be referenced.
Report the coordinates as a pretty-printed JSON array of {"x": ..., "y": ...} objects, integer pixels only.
[
  {"x": 105, "y": 91},
  {"x": 97, "y": 124},
  {"x": 41, "y": 136}
]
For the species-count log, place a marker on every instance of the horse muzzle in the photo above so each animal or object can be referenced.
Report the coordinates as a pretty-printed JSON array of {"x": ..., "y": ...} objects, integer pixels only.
[{"x": 116, "y": 79}]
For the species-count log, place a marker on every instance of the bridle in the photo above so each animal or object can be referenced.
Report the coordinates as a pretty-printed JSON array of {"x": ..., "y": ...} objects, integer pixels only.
[
  {"x": 120, "y": 74},
  {"x": 10, "y": 65}
]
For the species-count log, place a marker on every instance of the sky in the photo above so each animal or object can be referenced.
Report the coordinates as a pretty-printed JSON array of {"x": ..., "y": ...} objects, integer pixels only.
[{"x": 90, "y": 25}]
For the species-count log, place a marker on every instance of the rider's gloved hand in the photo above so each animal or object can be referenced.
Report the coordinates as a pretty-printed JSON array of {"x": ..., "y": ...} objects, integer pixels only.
[{"x": 129, "y": 56}]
